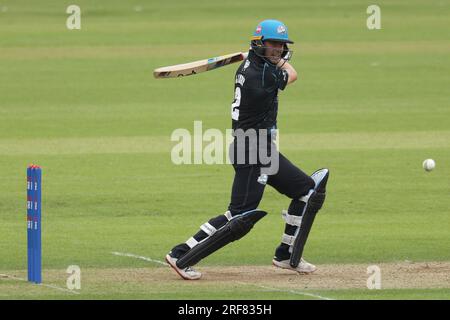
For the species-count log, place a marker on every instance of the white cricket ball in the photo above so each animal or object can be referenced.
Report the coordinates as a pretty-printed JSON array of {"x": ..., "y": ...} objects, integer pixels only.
[{"x": 428, "y": 164}]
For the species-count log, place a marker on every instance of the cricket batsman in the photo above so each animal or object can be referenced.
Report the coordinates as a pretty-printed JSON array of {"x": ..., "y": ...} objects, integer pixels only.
[{"x": 258, "y": 80}]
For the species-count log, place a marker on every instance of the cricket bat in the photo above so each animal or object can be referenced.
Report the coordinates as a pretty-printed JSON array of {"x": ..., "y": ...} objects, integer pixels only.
[{"x": 187, "y": 69}]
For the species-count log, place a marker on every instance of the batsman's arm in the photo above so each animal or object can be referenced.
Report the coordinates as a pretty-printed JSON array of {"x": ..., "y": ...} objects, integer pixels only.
[{"x": 292, "y": 74}]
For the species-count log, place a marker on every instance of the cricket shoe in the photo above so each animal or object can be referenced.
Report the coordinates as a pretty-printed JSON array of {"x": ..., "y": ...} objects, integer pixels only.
[
  {"x": 187, "y": 273},
  {"x": 303, "y": 267}
]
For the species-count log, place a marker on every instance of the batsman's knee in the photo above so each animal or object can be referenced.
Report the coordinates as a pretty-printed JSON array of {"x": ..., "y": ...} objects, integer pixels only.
[{"x": 298, "y": 189}]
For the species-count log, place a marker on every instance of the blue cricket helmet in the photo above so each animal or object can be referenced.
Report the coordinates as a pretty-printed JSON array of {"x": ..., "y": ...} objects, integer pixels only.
[{"x": 273, "y": 30}]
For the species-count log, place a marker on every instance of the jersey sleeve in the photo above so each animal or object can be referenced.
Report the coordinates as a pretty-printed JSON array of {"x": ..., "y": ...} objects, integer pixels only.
[{"x": 283, "y": 78}]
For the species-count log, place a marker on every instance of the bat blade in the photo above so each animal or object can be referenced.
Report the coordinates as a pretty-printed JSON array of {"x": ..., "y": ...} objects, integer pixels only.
[{"x": 187, "y": 69}]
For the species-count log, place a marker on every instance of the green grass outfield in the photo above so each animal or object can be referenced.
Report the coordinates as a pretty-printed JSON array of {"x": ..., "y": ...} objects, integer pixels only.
[{"x": 370, "y": 105}]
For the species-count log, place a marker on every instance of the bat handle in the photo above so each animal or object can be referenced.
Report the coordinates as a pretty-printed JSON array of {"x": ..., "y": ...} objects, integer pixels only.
[{"x": 244, "y": 55}]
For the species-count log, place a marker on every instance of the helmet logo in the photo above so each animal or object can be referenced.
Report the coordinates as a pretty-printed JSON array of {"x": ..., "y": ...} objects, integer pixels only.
[
  {"x": 258, "y": 29},
  {"x": 281, "y": 29}
]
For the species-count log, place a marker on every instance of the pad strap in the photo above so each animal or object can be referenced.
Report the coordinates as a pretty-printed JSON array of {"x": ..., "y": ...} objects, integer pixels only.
[
  {"x": 191, "y": 242},
  {"x": 228, "y": 215},
  {"x": 208, "y": 228},
  {"x": 287, "y": 239},
  {"x": 291, "y": 219},
  {"x": 306, "y": 198}
]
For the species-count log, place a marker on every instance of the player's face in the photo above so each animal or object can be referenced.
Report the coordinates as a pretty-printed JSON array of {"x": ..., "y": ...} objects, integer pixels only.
[{"x": 274, "y": 49}]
